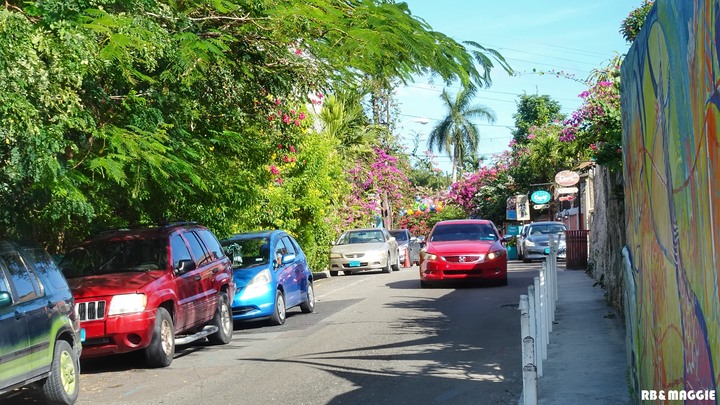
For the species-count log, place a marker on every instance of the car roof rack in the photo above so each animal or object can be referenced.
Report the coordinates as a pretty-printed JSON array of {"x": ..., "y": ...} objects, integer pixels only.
[{"x": 169, "y": 224}]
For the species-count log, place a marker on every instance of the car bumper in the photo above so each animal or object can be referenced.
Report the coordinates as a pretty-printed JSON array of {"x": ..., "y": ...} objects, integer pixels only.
[
  {"x": 360, "y": 264},
  {"x": 253, "y": 303},
  {"x": 446, "y": 271},
  {"x": 117, "y": 334}
]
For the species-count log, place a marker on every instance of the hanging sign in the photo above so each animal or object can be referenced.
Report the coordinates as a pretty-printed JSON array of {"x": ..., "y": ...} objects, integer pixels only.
[
  {"x": 540, "y": 197},
  {"x": 567, "y": 190},
  {"x": 567, "y": 178},
  {"x": 522, "y": 207},
  {"x": 541, "y": 206}
]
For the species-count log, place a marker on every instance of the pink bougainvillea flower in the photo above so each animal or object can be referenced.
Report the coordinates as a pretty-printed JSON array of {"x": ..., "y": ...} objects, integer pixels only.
[
  {"x": 297, "y": 123},
  {"x": 279, "y": 180},
  {"x": 292, "y": 148},
  {"x": 301, "y": 116},
  {"x": 274, "y": 169},
  {"x": 271, "y": 117},
  {"x": 277, "y": 101},
  {"x": 286, "y": 118},
  {"x": 298, "y": 51}
]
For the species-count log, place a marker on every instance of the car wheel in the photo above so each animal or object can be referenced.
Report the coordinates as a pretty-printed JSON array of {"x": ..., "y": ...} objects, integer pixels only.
[
  {"x": 62, "y": 385},
  {"x": 223, "y": 320},
  {"x": 309, "y": 305},
  {"x": 278, "y": 316},
  {"x": 162, "y": 345},
  {"x": 386, "y": 269},
  {"x": 333, "y": 273},
  {"x": 396, "y": 266}
]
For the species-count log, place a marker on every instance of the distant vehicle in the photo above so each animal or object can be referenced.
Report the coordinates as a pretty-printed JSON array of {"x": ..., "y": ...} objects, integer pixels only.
[
  {"x": 40, "y": 338},
  {"x": 520, "y": 238},
  {"x": 536, "y": 240},
  {"x": 364, "y": 249},
  {"x": 464, "y": 250},
  {"x": 271, "y": 275},
  {"x": 407, "y": 244},
  {"x": 151, "y": 289}
]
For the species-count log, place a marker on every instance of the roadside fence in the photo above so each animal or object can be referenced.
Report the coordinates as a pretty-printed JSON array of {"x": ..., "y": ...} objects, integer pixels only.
[{"x": 537, "y": 314}]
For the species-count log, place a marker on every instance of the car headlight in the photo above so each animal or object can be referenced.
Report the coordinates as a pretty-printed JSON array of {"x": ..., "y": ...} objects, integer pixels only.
[
  {"x": 529, "y": 242},
  {"x": 260, "y": 279},
  {"x": 127, "y": 303},
  {"x": 335, "y": 256},
  {"x": 496, "y": 254},
  {"x": 428, "y": 256}
]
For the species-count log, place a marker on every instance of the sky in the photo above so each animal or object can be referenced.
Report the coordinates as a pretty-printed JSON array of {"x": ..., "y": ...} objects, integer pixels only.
[{"x": 546, "y": 36}]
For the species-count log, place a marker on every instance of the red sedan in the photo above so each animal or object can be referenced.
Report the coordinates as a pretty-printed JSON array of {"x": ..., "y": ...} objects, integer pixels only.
[{"x": 463, "y": 250}]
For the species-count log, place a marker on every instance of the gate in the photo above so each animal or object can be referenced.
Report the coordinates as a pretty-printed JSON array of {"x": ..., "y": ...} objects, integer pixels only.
[{"x": 576, "y": 242}]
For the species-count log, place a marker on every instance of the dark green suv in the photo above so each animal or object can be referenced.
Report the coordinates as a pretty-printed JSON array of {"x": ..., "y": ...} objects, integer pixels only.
[{"x": 39, "y": 332}]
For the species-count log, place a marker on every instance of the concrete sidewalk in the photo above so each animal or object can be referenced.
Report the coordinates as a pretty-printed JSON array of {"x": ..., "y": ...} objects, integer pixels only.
[{"x": 586, "y": 360}]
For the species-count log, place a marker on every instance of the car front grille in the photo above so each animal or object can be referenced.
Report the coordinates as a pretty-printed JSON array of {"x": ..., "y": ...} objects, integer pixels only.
[
  {"x": 462, "y": 259},
  {"x": 90, "y": 311},
  {"x": 354, "y": 255}
]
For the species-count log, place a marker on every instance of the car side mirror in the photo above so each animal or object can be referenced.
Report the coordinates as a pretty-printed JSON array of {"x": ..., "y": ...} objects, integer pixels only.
[
  {"x": 5, "y": 299},
  {"x": 185, "y": 265},
  {"x": 507, "y": 238},
  {"x": 288, "y": 258}
]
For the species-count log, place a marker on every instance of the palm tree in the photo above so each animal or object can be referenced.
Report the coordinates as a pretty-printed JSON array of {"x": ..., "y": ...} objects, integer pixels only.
[{"x": 456, "y": 134}]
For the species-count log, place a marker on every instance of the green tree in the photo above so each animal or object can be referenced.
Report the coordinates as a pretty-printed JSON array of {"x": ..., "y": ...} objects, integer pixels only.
[
  {"x": 456, "y": 133},
  {"x": 532, "y": 111}
]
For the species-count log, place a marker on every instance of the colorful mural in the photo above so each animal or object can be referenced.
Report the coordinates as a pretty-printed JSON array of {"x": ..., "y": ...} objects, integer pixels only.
[{"x": 671, "y": 128}]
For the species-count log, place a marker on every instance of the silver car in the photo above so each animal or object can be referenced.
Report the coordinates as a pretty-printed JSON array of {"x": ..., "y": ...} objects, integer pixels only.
[
  {"x": 536, "y": 238},
  {"x": 408, "y": 246},
  {"x": 359, "y": 250}
]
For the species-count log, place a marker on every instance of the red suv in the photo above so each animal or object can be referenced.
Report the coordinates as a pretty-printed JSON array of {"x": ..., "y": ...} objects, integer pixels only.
[{"x": 150, "y": 289}]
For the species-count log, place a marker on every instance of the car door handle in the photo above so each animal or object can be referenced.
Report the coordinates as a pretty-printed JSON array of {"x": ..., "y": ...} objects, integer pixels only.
[
  {"x": 19, "y": 315},
  {"x": 198, "y": 278}
]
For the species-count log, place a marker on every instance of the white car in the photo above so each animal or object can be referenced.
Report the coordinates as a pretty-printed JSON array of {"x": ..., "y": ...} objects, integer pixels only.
[{"x": 364, "y": 249}]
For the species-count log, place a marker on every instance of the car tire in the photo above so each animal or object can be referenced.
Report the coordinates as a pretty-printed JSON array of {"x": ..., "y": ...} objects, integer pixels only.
[
  {"x": 62, "y": 385},
  {"x": 333, "y": 273},
  {"x": 280, "y": 313},
  {"x": 396, "y": 266},
  {"x": 223, "y": 320},
  {"x": 386, "y": 269},
  {"x": 161, "y": 350},
  {"x": 308, "y": 306}
]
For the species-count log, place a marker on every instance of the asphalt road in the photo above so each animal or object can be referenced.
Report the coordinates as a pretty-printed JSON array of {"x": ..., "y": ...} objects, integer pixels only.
[{"x": 374, "y": 338}]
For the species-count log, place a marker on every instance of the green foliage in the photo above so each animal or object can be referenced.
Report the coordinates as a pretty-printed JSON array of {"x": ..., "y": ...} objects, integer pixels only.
[
  {"x": 630, "y": 27},
  {"x": 533, "y": 111}
]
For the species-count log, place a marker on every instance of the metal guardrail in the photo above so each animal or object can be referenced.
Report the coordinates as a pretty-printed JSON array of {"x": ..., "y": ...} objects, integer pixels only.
[{"x": 537, "y": 313}]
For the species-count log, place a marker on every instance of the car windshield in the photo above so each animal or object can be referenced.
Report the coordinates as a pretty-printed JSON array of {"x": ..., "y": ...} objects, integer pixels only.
[
  {"x": 248, "y": 252},
  {"x": 115, "y": 256},
  {"x": 355, "y": 237},
  {"x": 454, "y": 232},
  {"x": 546, "y": 229},
  {"x": 400, "y": 236}
]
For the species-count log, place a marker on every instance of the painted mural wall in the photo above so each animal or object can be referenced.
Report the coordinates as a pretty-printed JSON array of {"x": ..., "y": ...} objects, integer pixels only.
[{"x": 671, "y": 124}]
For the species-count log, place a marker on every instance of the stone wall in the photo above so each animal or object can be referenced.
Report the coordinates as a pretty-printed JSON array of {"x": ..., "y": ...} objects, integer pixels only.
[{"x": 607, "y": 235}]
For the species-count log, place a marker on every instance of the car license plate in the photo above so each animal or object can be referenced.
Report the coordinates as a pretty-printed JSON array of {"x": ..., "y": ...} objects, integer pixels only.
[
  {"x": 354, "y": 263},
  {"x": 547, "y": 250},
  {"x": 82, "y": 334}
]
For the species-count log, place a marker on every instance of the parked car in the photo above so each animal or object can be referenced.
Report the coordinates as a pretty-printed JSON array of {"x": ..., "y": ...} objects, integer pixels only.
[
  {"x": 40, "y": 339},
  {"x": 464, "y": 250},
  {"x": 271, "y": 275},
  {"x": 536, "y": 240},
  {"x": 150, "y": 289},
  {"x": 520, "y": 237},
  {"x": 364, "y": 249},
  {"x": 407, "y": 244}
]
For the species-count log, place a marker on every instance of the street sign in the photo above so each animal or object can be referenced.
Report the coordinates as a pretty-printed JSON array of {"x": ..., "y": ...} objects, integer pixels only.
[
  {"x": 541, "y": 206},
  {"x": 567, "y": 190},
  {"x": 540, "y": 197},
  {"x": 567, "y": 178}
]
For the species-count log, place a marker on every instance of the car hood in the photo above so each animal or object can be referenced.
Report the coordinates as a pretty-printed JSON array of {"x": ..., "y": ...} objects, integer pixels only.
[
  {"x": 460, "y": 247},
  {"x": 111, "y": 284},
  {"x": 543, "y": 239},
  {"x": 358, "y": 248},
  {"x": 243, "y": 276}
]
